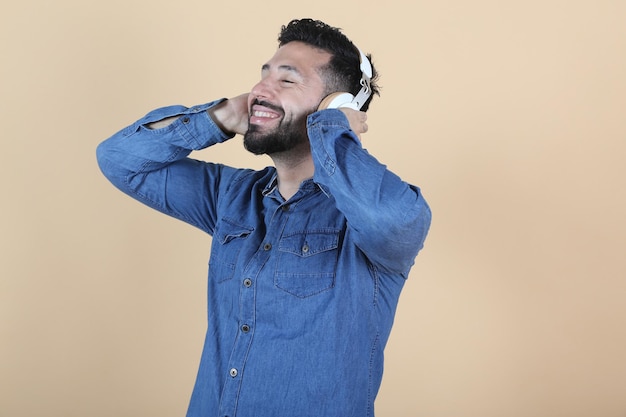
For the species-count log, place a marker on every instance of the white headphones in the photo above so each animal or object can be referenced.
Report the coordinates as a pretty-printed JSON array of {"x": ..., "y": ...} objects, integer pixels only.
[{"x": 336, "y": 100}]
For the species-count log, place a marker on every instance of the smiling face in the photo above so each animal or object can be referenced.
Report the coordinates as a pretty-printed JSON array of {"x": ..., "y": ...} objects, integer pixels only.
[{"x": 290, "y": 89}]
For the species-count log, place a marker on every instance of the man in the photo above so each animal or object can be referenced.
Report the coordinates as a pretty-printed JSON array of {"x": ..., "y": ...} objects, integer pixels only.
[{"x": 308, "y": 257}]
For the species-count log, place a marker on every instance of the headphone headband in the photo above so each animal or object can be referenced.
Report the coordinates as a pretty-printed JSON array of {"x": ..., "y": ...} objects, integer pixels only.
[
  {"x": 366, "y": 77},
  {"x": 366, "y": 66}
]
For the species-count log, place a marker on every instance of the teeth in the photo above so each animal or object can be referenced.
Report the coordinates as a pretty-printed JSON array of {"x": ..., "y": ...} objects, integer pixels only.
[{"x": 265, "y": 114}]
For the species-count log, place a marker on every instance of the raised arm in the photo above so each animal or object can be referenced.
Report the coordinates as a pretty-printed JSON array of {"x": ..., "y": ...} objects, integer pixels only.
[
  {"x": 389, "y": 216},
  {"x": 148, "y": 160}
]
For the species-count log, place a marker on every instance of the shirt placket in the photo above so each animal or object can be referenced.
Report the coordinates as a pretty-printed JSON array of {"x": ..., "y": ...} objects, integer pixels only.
[{"x": 247, "y": 310}]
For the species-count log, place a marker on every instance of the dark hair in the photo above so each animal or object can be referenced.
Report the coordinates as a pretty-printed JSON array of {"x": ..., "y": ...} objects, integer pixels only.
[{"x": 343, "y": 71}]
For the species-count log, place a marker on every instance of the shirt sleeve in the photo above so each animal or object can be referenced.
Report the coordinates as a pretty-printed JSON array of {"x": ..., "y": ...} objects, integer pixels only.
[
  {"x": 152, "y": 165},
  {"x": 388, "y": 216}
]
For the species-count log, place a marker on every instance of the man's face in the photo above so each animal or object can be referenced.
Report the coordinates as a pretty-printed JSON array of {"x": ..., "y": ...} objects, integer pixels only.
[{"x": 290, "y": 89}]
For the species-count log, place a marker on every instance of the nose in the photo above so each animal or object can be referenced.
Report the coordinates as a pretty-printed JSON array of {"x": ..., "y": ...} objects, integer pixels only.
[{"x": 264, "y": 89}]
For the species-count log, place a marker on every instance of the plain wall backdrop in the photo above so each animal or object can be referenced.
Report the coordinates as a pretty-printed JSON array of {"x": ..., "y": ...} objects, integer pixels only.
[{"x": 510, "y": 115}]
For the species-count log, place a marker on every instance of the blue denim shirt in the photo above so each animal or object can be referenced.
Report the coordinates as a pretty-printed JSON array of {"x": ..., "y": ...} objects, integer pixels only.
[{"x": 301, "y": 293}]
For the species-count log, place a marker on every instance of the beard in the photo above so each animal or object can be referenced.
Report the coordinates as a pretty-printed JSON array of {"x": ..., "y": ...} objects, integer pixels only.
[{"x": 288, "y": 135}]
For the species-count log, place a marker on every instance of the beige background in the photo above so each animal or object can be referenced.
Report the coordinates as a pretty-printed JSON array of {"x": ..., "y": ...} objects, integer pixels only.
[{"x": 509, "y": 114}]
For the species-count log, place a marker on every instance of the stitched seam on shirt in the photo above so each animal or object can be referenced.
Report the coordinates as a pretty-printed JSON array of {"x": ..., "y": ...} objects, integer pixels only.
[
  {"x": 371, "y": 377},
  {"x": 375, "y": 279}
]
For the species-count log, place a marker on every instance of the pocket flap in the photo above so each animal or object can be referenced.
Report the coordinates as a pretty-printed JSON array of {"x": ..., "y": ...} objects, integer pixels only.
[
  {"x": 309, "y": 243},
  {"x": 228, "y": 230}
]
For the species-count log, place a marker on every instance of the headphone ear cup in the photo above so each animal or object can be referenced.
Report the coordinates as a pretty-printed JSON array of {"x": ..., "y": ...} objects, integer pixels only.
[{"x": 336, "y": 100}]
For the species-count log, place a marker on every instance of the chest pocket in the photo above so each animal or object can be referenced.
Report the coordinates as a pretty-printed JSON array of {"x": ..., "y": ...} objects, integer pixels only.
[
  {"x": 228, "y": 240},
  {"x": 307, "y": 262}
]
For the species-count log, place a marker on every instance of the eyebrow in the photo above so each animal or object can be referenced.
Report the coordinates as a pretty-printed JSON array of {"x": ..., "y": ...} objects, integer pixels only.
[{"x": 288, "y": 68}]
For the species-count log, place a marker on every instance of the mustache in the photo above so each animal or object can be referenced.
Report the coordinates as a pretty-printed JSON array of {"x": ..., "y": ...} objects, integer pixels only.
[{"x": 264, "y": 103}]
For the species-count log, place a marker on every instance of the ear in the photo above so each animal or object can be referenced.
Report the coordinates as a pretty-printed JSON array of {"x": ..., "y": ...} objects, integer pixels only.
[{"x": 336, "y": 100}]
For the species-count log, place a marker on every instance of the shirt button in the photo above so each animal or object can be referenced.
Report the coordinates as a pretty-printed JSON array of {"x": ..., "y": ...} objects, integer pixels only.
[
  {"x": 267, "y": 246},
  {"x": 305, "y": 248},
  {"x": 233, "y": 372},
  {"x": 185, "y": 120},
  {"x": 245, "y": 328},
  {"x": 285, "y": 208},
  {"x": 247, "y": 282}
]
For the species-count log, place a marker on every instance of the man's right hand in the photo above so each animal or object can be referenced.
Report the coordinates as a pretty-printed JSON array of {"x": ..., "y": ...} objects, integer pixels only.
[{"x": 232, "y": 115}]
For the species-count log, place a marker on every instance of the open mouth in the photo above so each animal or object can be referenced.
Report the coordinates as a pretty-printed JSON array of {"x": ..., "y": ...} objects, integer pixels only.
[{"x": 264, "y": 113}]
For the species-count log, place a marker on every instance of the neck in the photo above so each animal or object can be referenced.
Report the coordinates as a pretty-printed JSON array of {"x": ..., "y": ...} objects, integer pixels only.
[{"x": 292, "y": 168}]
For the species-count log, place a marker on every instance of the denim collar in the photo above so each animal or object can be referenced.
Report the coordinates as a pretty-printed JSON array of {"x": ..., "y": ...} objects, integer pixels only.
[{"x": 307, "y": 186}]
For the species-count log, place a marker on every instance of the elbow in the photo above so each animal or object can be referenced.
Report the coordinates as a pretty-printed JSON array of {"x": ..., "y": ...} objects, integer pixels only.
[
  {"x": 406, "y": 230},
  {"x": 414, "y": 225},
  {"x": 103, "y": 159},
  {"x": 408, "y": 218},
  {"x": 421, "y": 226},
  {"x": 109, "y": 165}
]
